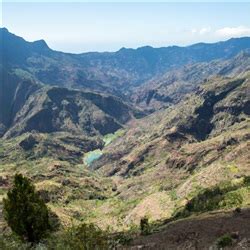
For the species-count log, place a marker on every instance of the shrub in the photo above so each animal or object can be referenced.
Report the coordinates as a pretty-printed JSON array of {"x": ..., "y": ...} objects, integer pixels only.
[
  {"x": 24, "y": 210},
  {"x": 207, "y": 200},
  {"x": 237, "y": 210},
  {"x": 223, "y": 195},
  {"x": 144, "y": 226},
  {"x": 224, "y": 241},
  {"x": 121, "y": 238},
  {"x": 82, "y": 237},
  {"x": 247, "y": 180},
  {"x": 231, "y": 199}
]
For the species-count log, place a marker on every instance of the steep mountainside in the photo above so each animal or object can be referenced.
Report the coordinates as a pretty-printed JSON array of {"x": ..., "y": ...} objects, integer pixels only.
[
  {"x": 167, "y": 158},
  {"x": 28, "y": 107},
  {"x": 171, "y": 87},
  {"x": 14, "y": 91},
  {"x": 192, "y": 234},
  {"x": 216, "y": 107}
]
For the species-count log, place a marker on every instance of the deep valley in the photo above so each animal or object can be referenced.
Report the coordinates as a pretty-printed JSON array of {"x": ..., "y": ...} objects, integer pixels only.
[{"x": 111, "y": 138}]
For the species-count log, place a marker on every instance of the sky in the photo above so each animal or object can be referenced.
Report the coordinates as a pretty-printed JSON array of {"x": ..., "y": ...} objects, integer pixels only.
[{"x": 101, "y": 26}]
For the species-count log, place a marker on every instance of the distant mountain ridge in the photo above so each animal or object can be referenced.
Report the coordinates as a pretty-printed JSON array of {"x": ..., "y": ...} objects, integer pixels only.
[{"x": 112, "y": 72}]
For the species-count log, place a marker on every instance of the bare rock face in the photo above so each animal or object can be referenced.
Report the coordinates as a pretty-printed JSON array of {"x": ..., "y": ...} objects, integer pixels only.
[
  {"x": 54, "y": 109},
  {"x": 14, "y": 92}
]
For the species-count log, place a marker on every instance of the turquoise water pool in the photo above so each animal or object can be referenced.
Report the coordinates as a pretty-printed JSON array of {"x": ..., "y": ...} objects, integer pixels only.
[{"x": 92, "y": 156}]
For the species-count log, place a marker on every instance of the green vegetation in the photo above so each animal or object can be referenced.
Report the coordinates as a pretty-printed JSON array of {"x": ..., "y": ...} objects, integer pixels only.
[
  {"x": 222, "y": 196},
  {"x": 173, "y": 195},
  {"x": 111, "y": 137},
  {"x": 144, "y": 226},
  {"x": 224, "y": 241},
  {"x": 233, "y": 169},
  {"x": 30, "y": 221},
  {"x": 82, "y": 237},
  {"x": 25, "y": 212},
  {"x": 78, "y": 237}
]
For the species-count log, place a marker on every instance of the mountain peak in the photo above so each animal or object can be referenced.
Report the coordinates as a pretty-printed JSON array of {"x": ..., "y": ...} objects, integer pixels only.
[
  {"x": 40, "y": 44},
  {"x": 4, "y": 29}
]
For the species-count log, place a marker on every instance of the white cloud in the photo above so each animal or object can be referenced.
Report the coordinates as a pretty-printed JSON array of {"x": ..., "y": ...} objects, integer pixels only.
[
  {"x": 204, "y": 30},
  {"x": 194, "y": 31},
  {"x": 201, "y": 31},
  {"x": 233, "y": 31}
]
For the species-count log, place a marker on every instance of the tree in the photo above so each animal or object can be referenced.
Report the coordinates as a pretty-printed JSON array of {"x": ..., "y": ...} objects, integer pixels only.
[
  {"x": 25, "y": 212},
  {"x": 144, "y": 226}
]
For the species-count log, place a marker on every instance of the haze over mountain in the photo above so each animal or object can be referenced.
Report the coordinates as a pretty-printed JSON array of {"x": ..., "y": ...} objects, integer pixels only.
[
  {"x": 156, "y": 132},
  {"x": 114, "y": 72}
]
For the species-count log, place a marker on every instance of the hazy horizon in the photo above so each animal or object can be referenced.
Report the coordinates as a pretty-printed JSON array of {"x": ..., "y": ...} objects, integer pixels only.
[
  {"x": 86, "y": 27},
  {"x": 170, "y": 45}
]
